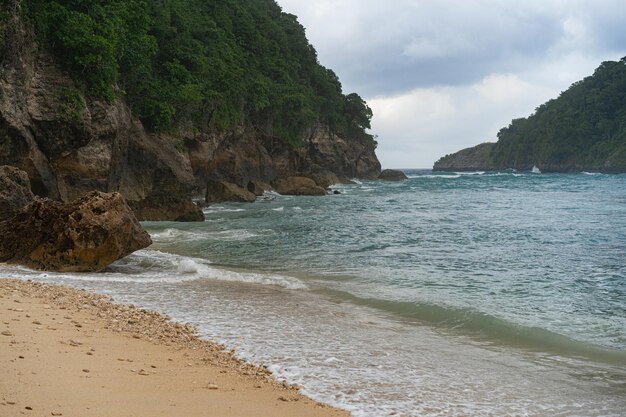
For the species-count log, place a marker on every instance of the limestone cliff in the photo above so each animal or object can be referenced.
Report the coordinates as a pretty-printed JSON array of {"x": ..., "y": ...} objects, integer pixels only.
[{"x": 70, "y": 144}]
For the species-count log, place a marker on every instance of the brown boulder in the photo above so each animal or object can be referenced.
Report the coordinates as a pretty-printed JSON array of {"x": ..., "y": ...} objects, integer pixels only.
[
  {"x": 15, "y": 191},
  {"x": 392, "y": 175},
  {"x": 84, "y": 235},
  {"x": 298, "y": 186},
  {"x": 218, "y": 191}
]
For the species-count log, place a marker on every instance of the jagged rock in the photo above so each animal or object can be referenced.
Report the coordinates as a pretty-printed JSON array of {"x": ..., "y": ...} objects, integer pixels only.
[
  {"x": 70, "y": 144},
  {"x": 218, "y": 191},
  {"x": 84, "y": 235},
  {"x": 15, "y": 191},
  {"x": 392, "y": 175},
  {"x": 298, "y": 186},
  {"x": 345, "y": 157}
]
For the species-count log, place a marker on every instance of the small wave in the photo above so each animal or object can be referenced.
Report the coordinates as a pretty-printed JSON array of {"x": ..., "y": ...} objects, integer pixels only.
[
  {"x": 176, "y": 235},
  {"x": 151, "y": 266},
  {"x": 279, "y": 209},
  {"x": 591, "y": 173},
  {"x": 444, "y": 176},
  {"x": 268, "y": 196},
  {"x": 232, "y": 235},
  {"x": 470, "y": 173},
  {"x": 490, "y": 329},
  {"x": 222, "y": 209}
]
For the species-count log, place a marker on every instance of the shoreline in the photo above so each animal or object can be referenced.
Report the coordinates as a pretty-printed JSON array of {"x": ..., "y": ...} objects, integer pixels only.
[{"x": 70, "y": 352}]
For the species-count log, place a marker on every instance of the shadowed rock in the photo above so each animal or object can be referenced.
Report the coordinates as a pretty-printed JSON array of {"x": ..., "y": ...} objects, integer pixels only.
[
  {"x": 217, "y": 191},
  {"x": 15, "y": 191},
  {"x": 85, "y": 235}
]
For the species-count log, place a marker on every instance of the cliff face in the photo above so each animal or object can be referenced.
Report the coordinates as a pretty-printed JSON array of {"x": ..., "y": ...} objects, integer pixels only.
[{"x": 69, "y": 144}]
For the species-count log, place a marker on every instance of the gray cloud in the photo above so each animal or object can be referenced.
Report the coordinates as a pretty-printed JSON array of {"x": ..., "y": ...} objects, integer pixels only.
[
  {"x": 481, "y": 63},
  {"x": 400, "y": 45}
]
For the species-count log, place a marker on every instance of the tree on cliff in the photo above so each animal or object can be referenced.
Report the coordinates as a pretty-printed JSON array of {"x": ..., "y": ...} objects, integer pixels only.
[
  {"x": 585, "y": 126},
  {"x": 206, "y": 64}
]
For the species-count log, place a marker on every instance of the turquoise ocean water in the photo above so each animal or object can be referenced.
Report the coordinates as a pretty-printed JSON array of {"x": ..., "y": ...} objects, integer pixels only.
[{"x": 449, "y": 294}]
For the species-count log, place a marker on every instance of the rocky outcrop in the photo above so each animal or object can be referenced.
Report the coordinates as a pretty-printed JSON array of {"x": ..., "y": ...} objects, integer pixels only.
[
  {"x": 217, "y": 191},
  {"x": 70, "y": 144},
  {"x": 167, "y": 208},
  {"x": 15, "y": 191},
  {"x": 243, "y": 156},
  {"x": 392, "y": 175},
  {"x": 477, "y": 158},
  {"x": 324, "y": 178},
  {"x": 85, "y": 235},
  {"x": 298, "y": 186},
  {"x": 350, "y": 158}
]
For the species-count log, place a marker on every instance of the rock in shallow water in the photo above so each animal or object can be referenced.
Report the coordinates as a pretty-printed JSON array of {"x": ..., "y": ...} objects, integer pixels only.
[
  {"x": 392, "y": 175},
  {"x": 85, "y": 235},
  {"x": 218, "y": 191},
  {"x": 298, "y": 186}
]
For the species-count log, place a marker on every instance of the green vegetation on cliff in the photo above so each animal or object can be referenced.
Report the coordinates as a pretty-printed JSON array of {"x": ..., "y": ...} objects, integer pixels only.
[
  {"x": 583, "y": 129},
  {"x": 199, "y": 64}
]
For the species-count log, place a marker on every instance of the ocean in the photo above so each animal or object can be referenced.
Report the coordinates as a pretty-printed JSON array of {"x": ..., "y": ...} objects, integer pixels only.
[{"x": 448, "y": 294}]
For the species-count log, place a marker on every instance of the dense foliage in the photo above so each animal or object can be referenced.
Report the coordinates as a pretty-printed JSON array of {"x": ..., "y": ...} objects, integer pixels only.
[
  {"x": 199, "y": 63},
  {"x": 584, "y": 128}
]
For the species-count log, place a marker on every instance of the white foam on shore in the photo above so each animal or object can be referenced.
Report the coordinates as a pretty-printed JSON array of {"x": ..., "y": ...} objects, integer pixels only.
[
  {"x": 349, "y": 356},
  {"x": 175, "y": 235},
  {"x": 151, "y": 266}
]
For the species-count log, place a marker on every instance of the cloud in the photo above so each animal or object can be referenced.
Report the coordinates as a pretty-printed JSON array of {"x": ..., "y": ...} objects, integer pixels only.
[
  {"x": 420, "y": 126},
  {"x": 395, "y": 46},
  {"x": 445, "y": 75}
]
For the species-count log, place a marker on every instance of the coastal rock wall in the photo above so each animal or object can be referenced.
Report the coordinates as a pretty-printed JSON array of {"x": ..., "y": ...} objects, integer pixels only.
[{"x": 70, "y": 144}]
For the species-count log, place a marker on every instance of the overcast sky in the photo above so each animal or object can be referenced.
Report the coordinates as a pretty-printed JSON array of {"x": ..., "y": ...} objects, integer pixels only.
[{"x": 442, "y": 75}]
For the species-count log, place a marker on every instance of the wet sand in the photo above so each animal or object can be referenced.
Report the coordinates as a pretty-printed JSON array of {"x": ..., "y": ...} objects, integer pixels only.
[{"x": 66, "y": 352}]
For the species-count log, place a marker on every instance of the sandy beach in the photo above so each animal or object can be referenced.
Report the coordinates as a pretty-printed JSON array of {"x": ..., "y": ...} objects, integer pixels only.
[{"x": 66, "y": 352}]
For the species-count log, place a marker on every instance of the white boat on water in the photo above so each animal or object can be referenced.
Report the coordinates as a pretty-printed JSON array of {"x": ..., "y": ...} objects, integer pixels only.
[{"x": 535, "y": 170}]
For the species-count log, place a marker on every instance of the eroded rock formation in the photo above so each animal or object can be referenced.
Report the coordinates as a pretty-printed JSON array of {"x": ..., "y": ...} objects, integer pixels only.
[
  {"x": 85, "y": 235},
  {"x": 15, "y": 191}
]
